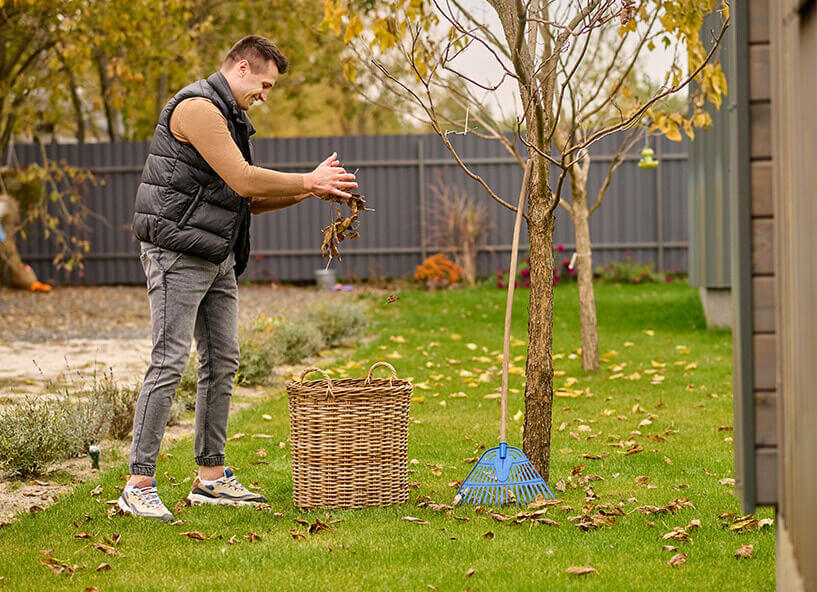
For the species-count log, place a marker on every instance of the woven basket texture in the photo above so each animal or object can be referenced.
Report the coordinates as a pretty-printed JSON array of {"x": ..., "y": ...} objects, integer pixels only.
[{"x": 349, "y": 440}]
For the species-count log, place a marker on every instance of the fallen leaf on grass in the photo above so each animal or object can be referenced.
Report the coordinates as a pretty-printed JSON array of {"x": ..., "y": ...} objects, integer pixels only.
[
  {"x": 103, "y": 567},
  {"x": 194, "y": 534},
  {"x": 236, "y": 436},
  {"x": 59, "y": 567},
  {"x": 83, "y": 535},
  {"x": 296, "y": 535},
  {"x": 469, "y": 573},
  {"x": 96, "y": 490},
  {"x": 745, "y": 551},
  {"x": 107, "y": 549},
  {"x": 677, "y": 559},
  {"x": 581, "y": 570},
  {"x": 252, "y": 537},
  {"x": 413, "y": 519},
  {"x": 669, "y": 548},
  {"x": 727, "y": 481},
  {"x": 677, "y": 534},
  {"x": 233, "y": 540},
  {"x": 488, "y": 535}
]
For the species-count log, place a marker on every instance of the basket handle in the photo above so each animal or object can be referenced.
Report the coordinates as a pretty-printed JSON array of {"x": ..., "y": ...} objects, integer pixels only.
[
  {"x": 387, "y": 365},
  {"x": 329, "y": 391}
]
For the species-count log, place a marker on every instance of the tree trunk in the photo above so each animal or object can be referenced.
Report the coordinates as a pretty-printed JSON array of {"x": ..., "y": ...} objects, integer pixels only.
[
  {"x": 539, "y": 369},
  {"x": 584, "y": 264},
  {"x": 469, "y": 263},
  {"x": 13, "y": 272},
  {"x": 105, "y": 92}
]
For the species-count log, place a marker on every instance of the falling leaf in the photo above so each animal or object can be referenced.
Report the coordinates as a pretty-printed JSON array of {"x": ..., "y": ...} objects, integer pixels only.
[
  {"x": 194, "y": 534},
  {"x": 745, "y": 551},
  {"x": 413, "y": 519},
  {"x": 677, "y": 559},
  {"x": 581, "y": 570}
]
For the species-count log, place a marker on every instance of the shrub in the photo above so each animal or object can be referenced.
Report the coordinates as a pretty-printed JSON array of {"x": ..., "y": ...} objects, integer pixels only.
[
  {"x": 336, "y": 323},
  {"x": 122, "y": 401},
  {"x": 438, "y": 272},
  {"x": 33, "y": 435},
  {"x": 259, "y": 351},
  {"x": 627, "y": 272},
  {"x": 297, "y": 339}
]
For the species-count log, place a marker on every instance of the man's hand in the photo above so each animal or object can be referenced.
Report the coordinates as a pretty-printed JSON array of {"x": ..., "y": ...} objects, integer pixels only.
[{"x": 329, "y": 178}]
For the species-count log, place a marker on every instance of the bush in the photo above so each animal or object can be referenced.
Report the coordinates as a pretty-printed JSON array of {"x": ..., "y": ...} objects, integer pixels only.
[
  {"x": 33, "y": 435},
  {"x": 297, "y": 339},
  {"x": 337, "y": 324},
  {"x": 627, "y": 272},
  {"x": 259, "y": 352},
  {"x": 88, "y": 420},
  {"x": 438, "y": 272},
  {"x": 122, "y": 402}
]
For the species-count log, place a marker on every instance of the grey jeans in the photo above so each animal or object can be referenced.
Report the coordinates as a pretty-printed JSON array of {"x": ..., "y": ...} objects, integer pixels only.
[{"x": 189, "y": 297}]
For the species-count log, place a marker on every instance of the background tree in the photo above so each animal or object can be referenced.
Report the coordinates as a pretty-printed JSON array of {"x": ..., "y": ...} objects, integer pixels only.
[{"x": 529, "y": 50}]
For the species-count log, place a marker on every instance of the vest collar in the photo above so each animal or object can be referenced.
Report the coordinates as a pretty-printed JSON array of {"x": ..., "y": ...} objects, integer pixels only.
[{"x": 222, "y": 88}]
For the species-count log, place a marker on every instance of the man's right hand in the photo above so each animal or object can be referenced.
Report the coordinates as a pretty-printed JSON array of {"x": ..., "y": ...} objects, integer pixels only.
[{"x": 329, "y": 178}]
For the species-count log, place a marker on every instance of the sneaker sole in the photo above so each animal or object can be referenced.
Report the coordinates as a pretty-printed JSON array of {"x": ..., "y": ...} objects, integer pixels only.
[
  {"x": 197, "y": 500},
  {"x": 126, "y": 510}
]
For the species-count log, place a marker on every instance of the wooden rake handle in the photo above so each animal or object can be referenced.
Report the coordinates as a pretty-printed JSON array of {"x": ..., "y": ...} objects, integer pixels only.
[{"x": 506, "y": 349}]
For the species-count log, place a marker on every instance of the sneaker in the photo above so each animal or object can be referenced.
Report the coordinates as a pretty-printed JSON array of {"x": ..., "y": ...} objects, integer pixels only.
[
  {"x": 224, "y": 490},
  {"x": 143, "y": 500}
]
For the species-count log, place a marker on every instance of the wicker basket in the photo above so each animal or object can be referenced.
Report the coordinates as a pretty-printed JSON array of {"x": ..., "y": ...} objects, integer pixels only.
[{"x": 349, "y": 440}]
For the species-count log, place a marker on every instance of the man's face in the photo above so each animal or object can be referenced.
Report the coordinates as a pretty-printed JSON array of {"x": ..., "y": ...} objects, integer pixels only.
[{"x": 252, "y": 86}]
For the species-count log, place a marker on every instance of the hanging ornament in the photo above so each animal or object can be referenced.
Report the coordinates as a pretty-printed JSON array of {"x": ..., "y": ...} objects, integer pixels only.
[{"x": 647, "y": 161}]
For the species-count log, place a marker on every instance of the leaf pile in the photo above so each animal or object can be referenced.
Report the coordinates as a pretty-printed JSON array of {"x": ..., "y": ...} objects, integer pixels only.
[{"x": 341, "y": 228}]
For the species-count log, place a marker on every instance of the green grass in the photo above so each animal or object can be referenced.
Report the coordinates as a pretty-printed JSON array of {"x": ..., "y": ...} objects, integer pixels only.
[{"x": 374, "y": 550}]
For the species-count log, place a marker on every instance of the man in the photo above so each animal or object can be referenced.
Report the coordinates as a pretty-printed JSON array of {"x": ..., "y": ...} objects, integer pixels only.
[{"x": 192, "y": 217}]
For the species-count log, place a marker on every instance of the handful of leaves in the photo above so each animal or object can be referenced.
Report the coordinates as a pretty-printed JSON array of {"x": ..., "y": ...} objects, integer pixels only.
[{"x": 341, "y": 228}]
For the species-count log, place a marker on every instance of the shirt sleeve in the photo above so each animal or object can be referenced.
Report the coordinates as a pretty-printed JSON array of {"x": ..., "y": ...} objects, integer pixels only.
[{"x": 199, "y": 122}]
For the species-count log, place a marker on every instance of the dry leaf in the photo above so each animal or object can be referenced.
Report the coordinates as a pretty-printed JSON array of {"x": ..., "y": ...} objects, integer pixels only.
[
  {"x": 669, "y": 548},
  {"x": 107, "y": 549},
  {"x": 96, "y": 490},
  {"x": 745, "y": 551},
  {"x": 83, "y": 535},
  {"x": 677, "y": 559},
  {"x": 469, "y": 573},
  {"x": 233, "y": 540},
  {"x": 581, "y": 570},
  {"x": 488, "y": 535},
  {"x": 252, "y": 537},
  {"x": 103, "y": 567},
  {"x": 413, "y": 519},
  {"x": 194, "y": 534}
]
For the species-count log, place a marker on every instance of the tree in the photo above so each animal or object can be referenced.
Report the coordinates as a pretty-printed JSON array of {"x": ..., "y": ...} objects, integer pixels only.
[{"x": 425, "y": 38}]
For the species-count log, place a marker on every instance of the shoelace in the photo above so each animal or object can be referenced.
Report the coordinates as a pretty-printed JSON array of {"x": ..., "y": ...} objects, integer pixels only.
[
  {"x": 233, "y": 483},
  {"x": 151, "y": 496}
]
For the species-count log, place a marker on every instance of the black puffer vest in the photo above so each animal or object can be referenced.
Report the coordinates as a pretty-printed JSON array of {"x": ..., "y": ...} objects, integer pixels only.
[{"x": 181, "y": 203}]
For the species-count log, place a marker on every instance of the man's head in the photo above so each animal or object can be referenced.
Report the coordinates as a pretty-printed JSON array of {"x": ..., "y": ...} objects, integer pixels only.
[{"x": 251, "y": 68}]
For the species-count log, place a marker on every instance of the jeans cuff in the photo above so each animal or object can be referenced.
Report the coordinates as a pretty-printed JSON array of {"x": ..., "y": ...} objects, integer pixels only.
[
  {"x": 137, "y": 469},
  {"x": 210, "y": 461}
]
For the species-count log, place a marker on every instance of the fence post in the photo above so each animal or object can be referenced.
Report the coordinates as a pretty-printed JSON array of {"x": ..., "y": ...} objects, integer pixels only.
[
  {"x": 659, "y": 210},
  {"x": 421, "y": 181}
]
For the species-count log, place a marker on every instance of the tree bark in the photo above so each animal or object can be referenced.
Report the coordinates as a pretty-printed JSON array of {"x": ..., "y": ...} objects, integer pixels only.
[
  {"x": 539, "y": 369},
  {"x": 584, "y": 264},
  {"x": 105, "y": 92}
]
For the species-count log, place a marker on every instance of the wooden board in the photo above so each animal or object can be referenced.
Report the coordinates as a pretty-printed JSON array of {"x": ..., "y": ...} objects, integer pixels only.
[
  {"x": 760, "y": 142},
  {"x": 762, "y": 188},
  {"x": 759, "y": 79},
  {"x": 763, "y": 303},
  {"x": 765, "y": 356},
  {"x": 762, "y": 246},
  {"x": 766, "y": 419}
]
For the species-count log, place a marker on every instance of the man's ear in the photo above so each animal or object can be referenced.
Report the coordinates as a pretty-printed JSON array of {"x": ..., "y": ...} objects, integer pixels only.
[{"x": 243, "y": 67}]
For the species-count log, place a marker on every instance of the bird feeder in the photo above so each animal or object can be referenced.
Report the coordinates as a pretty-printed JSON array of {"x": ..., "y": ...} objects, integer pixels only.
[{"x": 647, "y": 161}]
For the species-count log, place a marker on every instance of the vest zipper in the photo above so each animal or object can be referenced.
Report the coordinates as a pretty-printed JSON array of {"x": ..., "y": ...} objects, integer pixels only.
[{"x": 191, "y": 208}]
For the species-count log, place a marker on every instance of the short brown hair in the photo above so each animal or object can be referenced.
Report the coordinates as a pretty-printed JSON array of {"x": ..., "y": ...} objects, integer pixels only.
[{"x": 256, "y": 49}]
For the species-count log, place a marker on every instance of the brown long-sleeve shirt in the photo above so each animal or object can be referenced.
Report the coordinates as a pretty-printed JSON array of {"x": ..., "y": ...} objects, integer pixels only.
[{"x": 198, "y": 121}]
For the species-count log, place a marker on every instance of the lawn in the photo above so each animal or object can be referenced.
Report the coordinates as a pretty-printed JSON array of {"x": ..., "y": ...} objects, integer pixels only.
[{"x": 445, "y": 342}]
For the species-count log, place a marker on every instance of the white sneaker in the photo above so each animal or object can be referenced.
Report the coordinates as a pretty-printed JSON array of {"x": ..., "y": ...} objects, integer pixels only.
[
  {"x": 224, "y": 490},
  {"x": 143, "y": 501}
]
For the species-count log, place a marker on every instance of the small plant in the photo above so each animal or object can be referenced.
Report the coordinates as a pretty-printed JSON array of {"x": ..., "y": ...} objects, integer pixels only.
[
  {"x": 260, "y": 352},
  {"x": 438, "y": 272},
  {"x": 297, "y": 340},
  {"x": 33, "y": 435},
  {"x": 336, "y": 325},
  {"x": 628, "y": 272},
  {"x": 458, "y": 223},
  {"x": 122, "y": 401}
]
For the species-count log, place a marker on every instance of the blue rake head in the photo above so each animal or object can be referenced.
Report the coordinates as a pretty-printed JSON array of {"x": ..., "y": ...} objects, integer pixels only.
[{"x": 502, "y": 475}]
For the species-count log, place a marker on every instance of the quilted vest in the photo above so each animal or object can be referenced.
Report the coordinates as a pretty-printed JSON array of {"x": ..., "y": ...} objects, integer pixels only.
[{"x": 181, "y": 203}]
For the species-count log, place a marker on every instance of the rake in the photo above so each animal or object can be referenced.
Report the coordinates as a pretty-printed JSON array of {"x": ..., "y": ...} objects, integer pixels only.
[{"x": 504, "y": 474}]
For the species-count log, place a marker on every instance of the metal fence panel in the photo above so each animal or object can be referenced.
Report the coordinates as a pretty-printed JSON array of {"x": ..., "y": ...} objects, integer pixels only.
[{"x": 644, "y": 215}]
